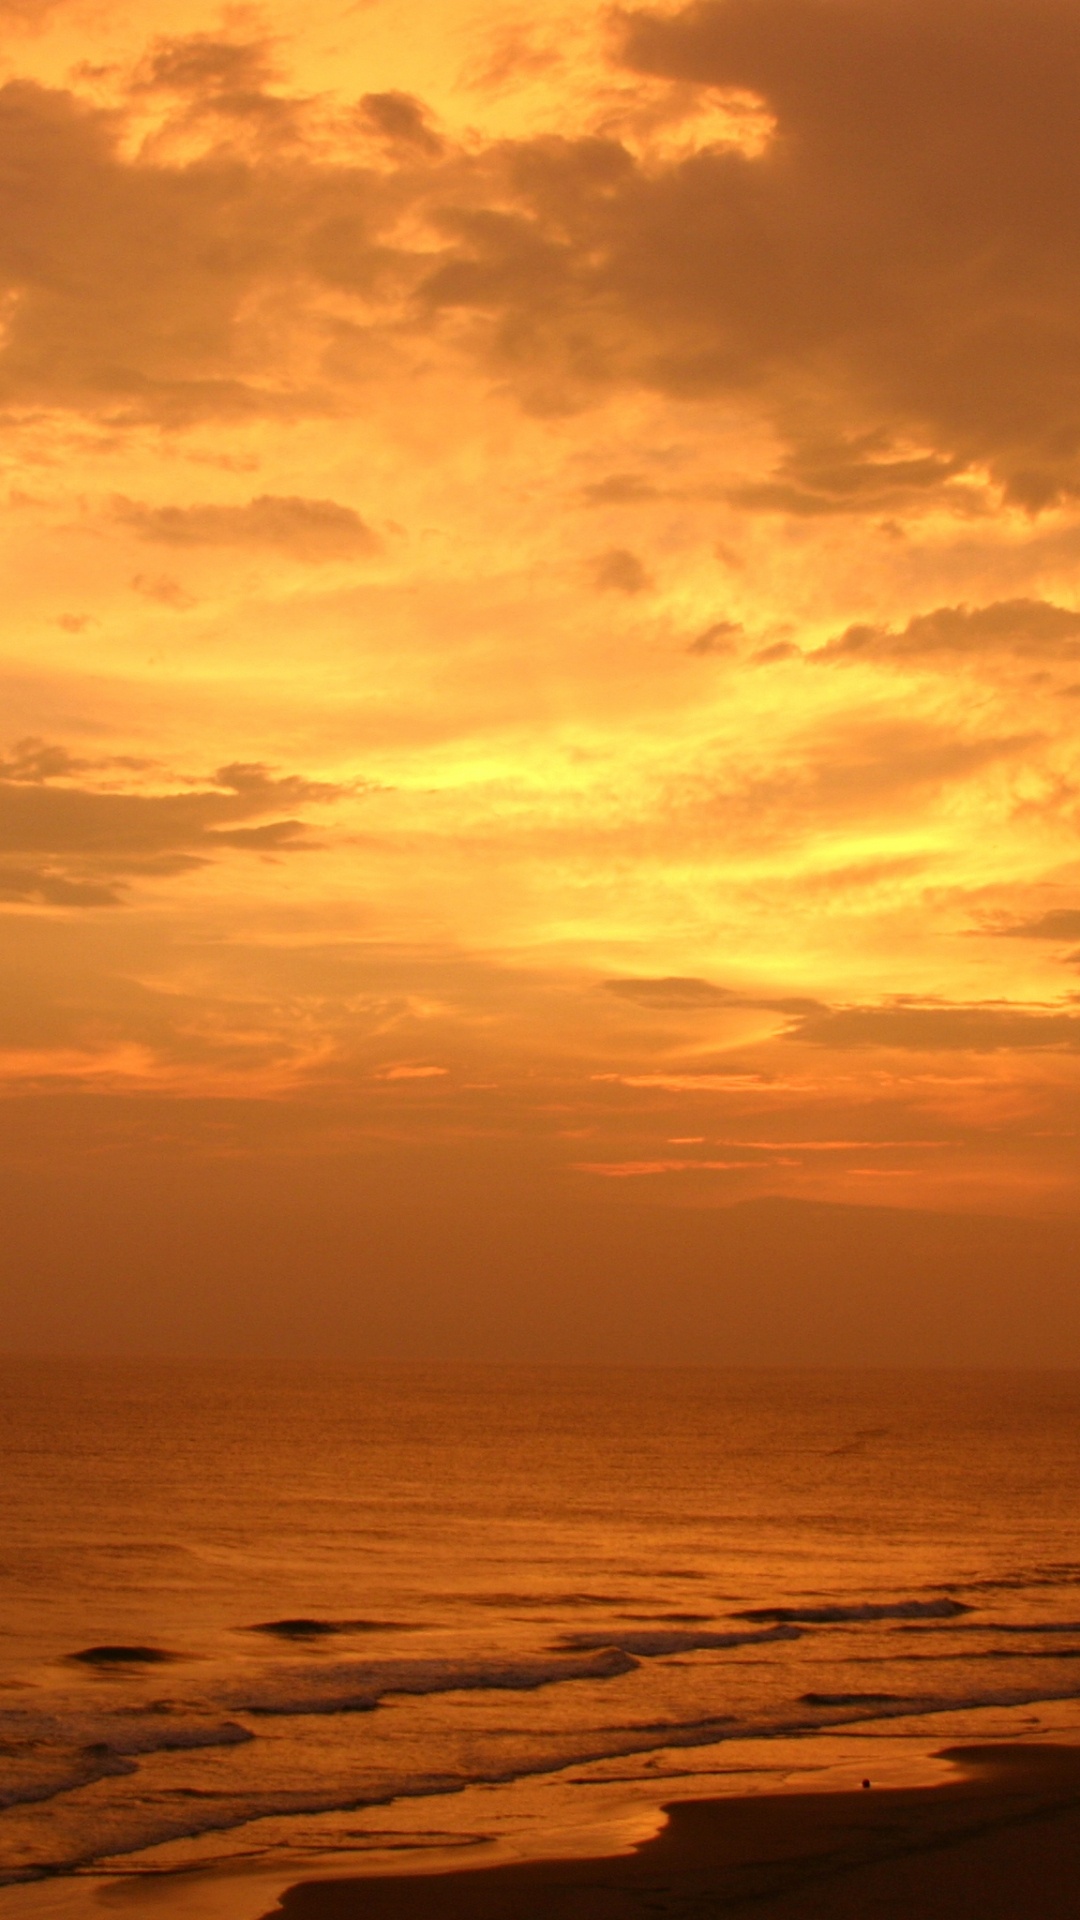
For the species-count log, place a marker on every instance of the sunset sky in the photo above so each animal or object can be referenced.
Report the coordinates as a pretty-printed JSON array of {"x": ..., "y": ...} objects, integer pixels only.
[{"x": 541, "y": 660}]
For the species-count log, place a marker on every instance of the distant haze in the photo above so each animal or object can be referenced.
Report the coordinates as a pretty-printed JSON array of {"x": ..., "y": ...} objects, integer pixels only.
[{"x": 333, "y": 1263}]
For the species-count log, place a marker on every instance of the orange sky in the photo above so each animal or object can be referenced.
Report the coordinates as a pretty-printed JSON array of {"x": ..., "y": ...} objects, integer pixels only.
[{"x": 541, "y": 654}]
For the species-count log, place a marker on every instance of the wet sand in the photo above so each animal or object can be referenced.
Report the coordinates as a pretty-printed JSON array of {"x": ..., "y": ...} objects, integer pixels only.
[{"x": 1000, "y": 1842}]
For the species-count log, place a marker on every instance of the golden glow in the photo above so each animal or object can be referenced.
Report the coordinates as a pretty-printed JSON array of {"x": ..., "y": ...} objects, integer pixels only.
[{"x": 530, "y": 617}]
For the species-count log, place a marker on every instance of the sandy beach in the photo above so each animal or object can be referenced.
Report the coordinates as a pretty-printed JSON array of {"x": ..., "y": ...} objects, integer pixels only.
[{"x": 1002, "y": 1838}]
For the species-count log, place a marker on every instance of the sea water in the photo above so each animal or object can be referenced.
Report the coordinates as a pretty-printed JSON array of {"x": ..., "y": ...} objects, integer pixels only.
[{"x": 257, "y": 1618}]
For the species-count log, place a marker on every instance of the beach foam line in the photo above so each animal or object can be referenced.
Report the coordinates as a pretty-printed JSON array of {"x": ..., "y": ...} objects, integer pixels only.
[{"x": 128, "y": 1830}]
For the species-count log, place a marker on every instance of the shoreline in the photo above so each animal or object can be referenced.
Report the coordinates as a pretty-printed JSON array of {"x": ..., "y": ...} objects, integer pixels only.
[
  {"x": 686, "y": 1846},
  {"x": 1002, "y": 1834}
]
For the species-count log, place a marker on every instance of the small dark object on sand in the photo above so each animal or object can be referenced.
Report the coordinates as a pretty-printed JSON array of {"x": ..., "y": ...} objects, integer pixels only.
[{"x": 866, "y": 1783}]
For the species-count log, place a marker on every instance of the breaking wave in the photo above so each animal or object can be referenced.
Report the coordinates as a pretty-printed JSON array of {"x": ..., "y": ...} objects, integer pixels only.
[
  {"x": 862, "y": 1610},
  {"x": 357, "y": 1686},
  {"x": 43, "y": 1755},
  {"x": 649, "y": 1643}
]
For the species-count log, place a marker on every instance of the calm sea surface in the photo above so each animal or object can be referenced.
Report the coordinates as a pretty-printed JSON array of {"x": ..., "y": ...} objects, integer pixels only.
[{"x": 260, "y": 1617}]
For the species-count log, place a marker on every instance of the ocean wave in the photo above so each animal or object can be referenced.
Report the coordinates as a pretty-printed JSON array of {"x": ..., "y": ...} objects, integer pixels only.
[
  {"x": 1023, "y": 1626},
  {"x": 130, "y": 1829},
  {"x": 527, "y": 1601},
  {"x": 1057, "y": 1573},
  {"x": 848, "y": 1699},
  {"x": 835, "y": 1614},
  {"x": 137, "y": 1825},
  {"x": 649, "y": 1643},
  {"x": 318, "y": 1629},
  {"x": 29, "y": 1775},
  {"x": 45, "y": 1755},
  {"x": 1026, "y": 1653},
  {"x": 124, "y": 1656},
  {"x": 357, "y": 1686},
  {"x": 678, "y": 1619}
]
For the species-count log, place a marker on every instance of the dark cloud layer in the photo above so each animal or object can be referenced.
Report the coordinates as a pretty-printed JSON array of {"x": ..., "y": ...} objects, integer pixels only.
[
  {"x": 28, "y": 13},
  {"x": 72, "y": 844},
  {"x": 672, "y": 993},
  {"x": 619, "y": 571},
  {"x": 201, "y": 65},
  {"x": 719, "y": 638},
  {"x": 909, "y": 245},
  {"x": 855, "y": 772},
  {"x": 1025, "y": 627},
  {"x": 310, "y": 530},
  {"x": 170, "y": 291},
  {"x": 675, "y": 994},
  {"x": 29, "y": 885},
  {"x": 895, "y": 281},
  {"x": 1060, "y": 923},
  {"x": 896, "y": 1024},
  {"x": 401, "y": 120},
  {"x": 826, "y": 475},
  {"x": 972, "y": 1029}
]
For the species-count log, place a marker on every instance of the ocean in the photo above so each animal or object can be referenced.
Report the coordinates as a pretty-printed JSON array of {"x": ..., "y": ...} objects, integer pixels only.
[{"x": 264, "y": 1621}]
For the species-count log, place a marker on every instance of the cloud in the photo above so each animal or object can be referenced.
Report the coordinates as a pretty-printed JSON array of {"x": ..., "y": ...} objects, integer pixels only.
[
  {"x": 719, "y": 638},
  {"x": 1059, "y": 923},
  {"x": 678, "y": 994},
  {"x": 922, "y": 200},
  {"x": 72, "y": 844},
  {"x": 141, "y": 287},
  {"x": 845, "y": 771},
  {"x": 937, "y": 1029},
  {"x": 406, "y": 1072},
  {"x": 41, "y": 886},
  {"x": 983, "y": 1028},
  {"x": 856, "y": 475},
  {"x": 780, "y": 650},
  {"x": 894, "y": 279},
  {"x": 33, "y": 760},
  {"x": 200, "y": 64},
  {"x": 311, "y": 530},
  {"x": 642, "y": 1169},
  {"x": 619, "y": 571},
  {"x": 673, "y": 993},
  {"x": 401, "y": 120},
  {"x": 212, "y": 79},
  {"x": 163, "y": 590},
  {"x": 29, "y": 13},
  {"x": 1029, "y": 628},
  {"x": 620, "y": 490}
]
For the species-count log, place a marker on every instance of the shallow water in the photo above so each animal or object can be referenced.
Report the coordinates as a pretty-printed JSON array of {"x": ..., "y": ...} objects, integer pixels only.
[{"x": 396, "y": 1615}]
